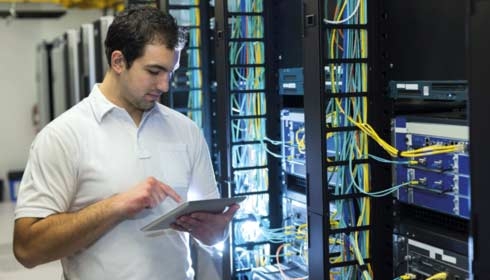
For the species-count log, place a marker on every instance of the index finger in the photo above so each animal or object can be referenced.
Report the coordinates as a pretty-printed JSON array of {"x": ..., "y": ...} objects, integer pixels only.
[{"x": 170, "y": 192}]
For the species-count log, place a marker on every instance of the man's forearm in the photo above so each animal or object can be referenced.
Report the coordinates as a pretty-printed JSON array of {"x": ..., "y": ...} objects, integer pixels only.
[
  {"x": 64, "y": 234},
  {"x": 38, "y": 241}
]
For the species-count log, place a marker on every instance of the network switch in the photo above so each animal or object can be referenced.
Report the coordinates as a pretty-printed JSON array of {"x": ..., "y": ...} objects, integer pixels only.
[
  {"x": 440, "y": 182},
  {"x": 430, "y": 90}
]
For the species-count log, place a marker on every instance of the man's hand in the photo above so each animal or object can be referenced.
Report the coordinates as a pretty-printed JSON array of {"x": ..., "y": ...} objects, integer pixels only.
[
  {"x": 146, "y": 194},
  {"x": 207, "y": 227},
  {"x": 39, "y": 241}
]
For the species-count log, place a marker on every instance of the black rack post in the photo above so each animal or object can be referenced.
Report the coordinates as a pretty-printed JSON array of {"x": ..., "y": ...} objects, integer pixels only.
[
  {"x": 314, "y": 103},
  {"x": 206, "y": 68},
  {"x": 222, "y": 115},
  {"x": 380, "y": 119},
  {"x": 329, "y": 101},
  {"x": 273, "y": 127},
  {"x": 479, "y": 59},
  {"x": 245, "y": 76}
]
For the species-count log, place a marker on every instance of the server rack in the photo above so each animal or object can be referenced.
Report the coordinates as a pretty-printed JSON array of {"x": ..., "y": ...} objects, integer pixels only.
[
  {"x": 60, "y": 76},
  {"x": 100, "y": 32},
  {"x": 242, "y": 38},
  {"x": 44, "y": 83},
  {"x": 190, "y": 86},
  {"x": 72, "y": 37},
  {"x": 75, "y": 62},
  {"x": 391, "y": 57},
  {"x": 87, "y": 59},
  {"x": 443, "y": 58}
]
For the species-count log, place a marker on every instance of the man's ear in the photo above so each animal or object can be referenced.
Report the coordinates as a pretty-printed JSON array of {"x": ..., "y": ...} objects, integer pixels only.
[{"x": 118, "y": 63}]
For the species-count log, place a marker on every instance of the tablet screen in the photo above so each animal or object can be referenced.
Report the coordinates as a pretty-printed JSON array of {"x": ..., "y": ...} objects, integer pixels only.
[{"x": 217, "y": 205}]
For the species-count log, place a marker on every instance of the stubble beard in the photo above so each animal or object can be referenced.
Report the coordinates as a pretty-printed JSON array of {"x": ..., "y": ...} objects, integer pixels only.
[{"x": 144, "y": 105}]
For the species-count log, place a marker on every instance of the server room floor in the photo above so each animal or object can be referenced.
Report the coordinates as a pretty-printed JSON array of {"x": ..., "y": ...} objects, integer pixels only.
[{"x": 10, "y": 269}]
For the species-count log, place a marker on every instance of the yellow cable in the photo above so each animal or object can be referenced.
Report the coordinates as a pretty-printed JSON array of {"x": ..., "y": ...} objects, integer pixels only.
[
  {"x": 300, "y": 142},
  {"x": 392, "y": 151},
  {"x": 438, "y": 276},
  {"x": 408, "y": 276}
]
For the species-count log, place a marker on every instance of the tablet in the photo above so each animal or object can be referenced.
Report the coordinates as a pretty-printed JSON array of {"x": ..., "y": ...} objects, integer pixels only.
[{"x": 217, "y": 205}]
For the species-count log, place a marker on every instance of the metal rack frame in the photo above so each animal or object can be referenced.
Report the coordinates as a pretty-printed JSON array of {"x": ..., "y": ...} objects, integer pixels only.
[
  {"x": 315, "y": 100},
  {"x": 224, "y": 119},
  {"x": 478, "y": 61}
]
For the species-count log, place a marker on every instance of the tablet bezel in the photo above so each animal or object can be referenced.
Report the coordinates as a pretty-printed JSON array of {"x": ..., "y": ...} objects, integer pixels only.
[{"x": 217, "y": 205}]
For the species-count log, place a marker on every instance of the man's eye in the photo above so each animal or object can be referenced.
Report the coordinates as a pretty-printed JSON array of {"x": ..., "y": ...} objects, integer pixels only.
[{"x": 153, "y": 72}]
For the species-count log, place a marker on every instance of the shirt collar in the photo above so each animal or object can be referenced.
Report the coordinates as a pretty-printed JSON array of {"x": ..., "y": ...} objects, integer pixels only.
[
  {"x": 101, "y": 106},
  {"x": 161, "y": 109}
]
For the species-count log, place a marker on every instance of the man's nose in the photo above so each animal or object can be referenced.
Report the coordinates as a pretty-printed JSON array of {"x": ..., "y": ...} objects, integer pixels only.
[{"x": 163, "y": 82}]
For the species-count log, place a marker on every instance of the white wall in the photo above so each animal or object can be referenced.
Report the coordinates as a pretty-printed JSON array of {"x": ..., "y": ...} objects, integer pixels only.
[{"x": 18, "y": 40}]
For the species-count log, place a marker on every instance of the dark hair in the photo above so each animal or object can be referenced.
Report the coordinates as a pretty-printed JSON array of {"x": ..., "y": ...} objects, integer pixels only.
[{"x": 134, "y": 28}]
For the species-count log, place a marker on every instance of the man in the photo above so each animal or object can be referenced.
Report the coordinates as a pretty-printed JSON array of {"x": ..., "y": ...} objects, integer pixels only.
[{"x": 116, "y": 161}]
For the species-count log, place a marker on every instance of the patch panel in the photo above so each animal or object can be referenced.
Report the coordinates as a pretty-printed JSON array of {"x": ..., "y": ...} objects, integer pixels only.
[
  {"x": 293, "y": 143},
  {"x": 295, "y": 212},
  {"x": 251, "y": 256},
  {"x": 424, "y": 260},
  {"x": 457, "y": 163},
  {"x": 439, "y": 182},
  {"x": 249, "y": 181},
  {"x": 291, "y": 80},
  {"x": 295, "y": 218},
  {"x": 447, "y": 200}
]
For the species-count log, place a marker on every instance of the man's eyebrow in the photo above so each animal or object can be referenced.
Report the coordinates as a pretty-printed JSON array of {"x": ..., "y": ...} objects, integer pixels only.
[{"x": 160, "y": 67}]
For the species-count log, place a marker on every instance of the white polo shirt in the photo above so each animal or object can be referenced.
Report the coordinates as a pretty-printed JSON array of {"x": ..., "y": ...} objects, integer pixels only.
[{"x": 95, "y": 150}]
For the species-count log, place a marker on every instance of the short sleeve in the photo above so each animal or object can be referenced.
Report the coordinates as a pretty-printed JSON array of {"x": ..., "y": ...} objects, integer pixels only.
[
  {"x": 202, "y": 183},
  {"x": 49, "y": 182}
]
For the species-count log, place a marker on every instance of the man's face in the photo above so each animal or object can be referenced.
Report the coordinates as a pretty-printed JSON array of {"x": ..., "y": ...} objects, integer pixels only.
[{"x": 148, "y": 77}]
